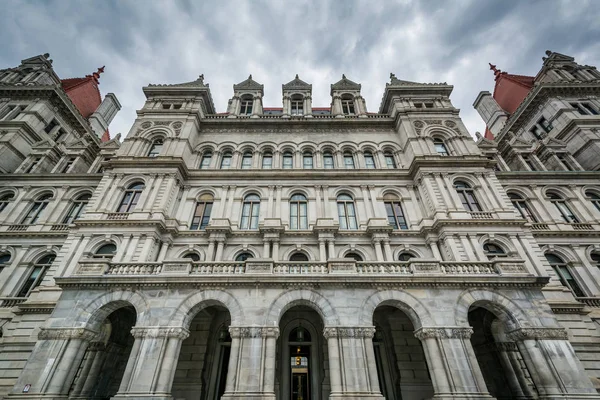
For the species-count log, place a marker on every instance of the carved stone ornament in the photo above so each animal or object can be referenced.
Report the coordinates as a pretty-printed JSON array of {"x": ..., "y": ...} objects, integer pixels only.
[
  {"x": 538, "y": 334},
  {"x": 160, "y": 332},
  {"x": 450, "y": 124},
  {"x": 67, "y": 333},
  {"x": 419, "y": 124},
  {"x": 443, "y": 333},
  {"x": 253, "y": 331},
  {"x": 146, "y": 125},
  {"x": 349, "y": 332},
  {"x": 162, "y": 123}
]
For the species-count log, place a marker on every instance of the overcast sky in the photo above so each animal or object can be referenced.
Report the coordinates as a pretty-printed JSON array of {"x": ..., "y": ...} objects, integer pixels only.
[{"x": 147, "y": 41}]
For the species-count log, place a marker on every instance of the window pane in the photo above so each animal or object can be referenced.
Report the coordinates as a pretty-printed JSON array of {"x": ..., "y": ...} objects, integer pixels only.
[
  {"x": 389, "y": 161},
  {"x": 328, "y": 161},
  {"x": 369, "y": 161},
  {"x": 288, "y": 161},
  {"x": 348, "y": 161},
  {"x": 247, "y": 161},
  {"x": 206, "y": 161},
  {"x": 267, "y": 162}
]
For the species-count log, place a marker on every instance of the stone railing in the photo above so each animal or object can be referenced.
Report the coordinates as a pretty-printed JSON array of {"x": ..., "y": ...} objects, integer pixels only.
[
  {"x": 9, "y": 302},
  {"x": 338, "y": 266},
  {"x": 590, "y": 301},
  {"x": 482, "y": 215},
  {"x": 18, "y": 228},
  {"x": 582, "y": 227},
  {"x": 540, "y": 227},
  {"x": 115, "y": 216},
  {"x": 59, "y": 227}
]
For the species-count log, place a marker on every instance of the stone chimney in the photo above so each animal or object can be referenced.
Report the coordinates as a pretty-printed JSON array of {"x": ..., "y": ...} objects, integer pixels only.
[
  {"x": 490, "y": 111},
  {"x": 104, "y": 114}
]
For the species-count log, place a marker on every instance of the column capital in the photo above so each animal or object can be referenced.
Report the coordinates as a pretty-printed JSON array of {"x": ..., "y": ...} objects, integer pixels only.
[
  {"x": 443, "y": 333},
  {"x": 538, "y": 334},
  {"x": 160, "y": 332},
  {"x": 67, "y": 333},
  {"x": 253, "y": 331},
  {"x": 349, "y": 332}
]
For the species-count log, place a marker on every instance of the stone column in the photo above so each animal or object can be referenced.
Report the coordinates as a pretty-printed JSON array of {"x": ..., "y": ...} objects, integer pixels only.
[
  {"x": 220, "y": 246},
  {"x": 377, "y": 246},
  {"x": 331, "y": 245},
  {"x": 58, "y": 353},
  {"x": 552, "y": 363},
  {"x": 251, "y": 372},
  {"x": 352, "y": 365},
  {"x": 275, "y": 250},
  {"x": 322, "y": 251},
  {"x": 389, "y": 256},
  {"x": 266, "y": 248},
  {"x": 518, "y": 382},
  {"x": 210, "y": 251},
  {"x": 454, "y": 370},
  {"x": 152, "y": 362}
]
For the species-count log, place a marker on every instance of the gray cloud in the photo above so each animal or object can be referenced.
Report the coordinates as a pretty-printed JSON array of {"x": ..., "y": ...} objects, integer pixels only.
[{"x": 175, "y": 41}]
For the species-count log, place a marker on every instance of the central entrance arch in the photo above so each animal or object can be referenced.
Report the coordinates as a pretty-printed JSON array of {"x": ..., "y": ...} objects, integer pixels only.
[{"x": 300, "y": 369}]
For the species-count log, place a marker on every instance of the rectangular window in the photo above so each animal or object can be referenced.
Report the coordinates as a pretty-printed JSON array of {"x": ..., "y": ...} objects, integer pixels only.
[
  {"x": 205, "y": 164},
  {"x": 369, "y": 161},
  {"x": 33, "y": 164},
  {"x": 584, "y": 108},
  {"x": 247, "y": 162},
  {"x": 50, "y": 126},
  {"x": 389, "y": 161},
  {"x": 267, "y": 162},
  {"x": 348, "y": 161},
  {"x": 568, "y": 280},
  {"x": 565, "y": 162},
  {"x": 67, "y": 165},
  {"x": 201, "y": 216},
  {"x": 5, "y": 111},
  {"x": 32, "y": 281},
  {"x": 288, "y": 161},
  {"x": 307, "y": 161},
  {"x": 328, "y": 161},
  {"x": 529, "y": 163}
]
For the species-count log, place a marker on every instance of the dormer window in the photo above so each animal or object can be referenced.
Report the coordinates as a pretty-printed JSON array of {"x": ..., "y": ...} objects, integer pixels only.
[
  {"x": 246, "y": 106},
  {"x": 348, "y": 105},
  {"x": 297, "y": 105}
]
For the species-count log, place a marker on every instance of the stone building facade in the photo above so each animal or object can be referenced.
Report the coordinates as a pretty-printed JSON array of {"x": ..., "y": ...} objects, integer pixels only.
[{"x": 303, "y": 253}]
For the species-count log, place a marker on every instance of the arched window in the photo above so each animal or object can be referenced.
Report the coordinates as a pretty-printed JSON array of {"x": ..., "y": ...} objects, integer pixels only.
[
  {"x": 246, "y": 105},
  {"x": 466, "y": 195},
  {"x": 247, "y": 160},
  {"x": 405, "y": 256},
  {"x": 389, "y": 160},
  {"x": 106, "y": 252},
  {"x": 131, "y": 197},
  {"x": 346, "y": 212},
  {"x": 395, "y": 213},
  {"x": 244, "y": 256},
  {"x": 192, "y": 256},
  {"x": 156, "y": 148},
  {"x": 595, "y": 256},
  {"x": 267, "y": 161},
  {"x": 36, "y": 209},
  {"x": 328, "y": 162},
  {"x": 298, "y": 256},
  {"x": 564, "y": 274},
  {"x": 226, "y": 160},
  {"x": 492, "y": 251},
  {"x": 440, "y": 147},
  {"x": 297, "y": 105},
  {"x": 36, "y": 275},
  {"x": 288, "y": 160},
  {"x": 307, "y": 160},
  {"x": 206, "y": 159},
  {"x": 348, "y": 160},
  {"x": 353, "y": 255},
  {"x": 77, "y": 208},
  {"x": 250, "y": 211},
  {"x": 4, "y": 260},
  {"x": 202, "y": 212},
  {"x": 369, "y": 160},
  {"x": 300, "y": 334},
  {"x": 592, "y": 196},
  {"x": 348, "y": 105},
  {"x": 562, "y": 207},
  {"x": 4, "y": 200},
  {"x": 298, "y": 212},
  {"x": 521, "y": 205}
]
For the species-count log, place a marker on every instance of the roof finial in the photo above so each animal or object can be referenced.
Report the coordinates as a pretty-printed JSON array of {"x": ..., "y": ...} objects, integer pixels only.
[
  {"x": 250, "y": 76},
  {"x": 496, "y": 70},
  {"x": 96, "y": 75},
  {"x": 392, "y": 76},
  {"x": 343, "y": 76},
  {"x": 297, "y": 76}
]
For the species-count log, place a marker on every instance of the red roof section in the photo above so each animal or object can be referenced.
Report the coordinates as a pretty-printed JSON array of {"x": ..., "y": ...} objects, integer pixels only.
[
  {"x": 84, "y": 93},
  {"x": 509, "y": 92}
]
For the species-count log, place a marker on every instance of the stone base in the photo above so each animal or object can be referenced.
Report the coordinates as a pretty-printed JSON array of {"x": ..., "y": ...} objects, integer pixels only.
[
  {"x": 568, "y": 396},
  {"x": 142, "y": 396},
  {"x": 36, "y": 396},
  {"x": 248, "y": 396},
  {"x": 465, "y": 396},
  {"x": 356, "y": 396}
]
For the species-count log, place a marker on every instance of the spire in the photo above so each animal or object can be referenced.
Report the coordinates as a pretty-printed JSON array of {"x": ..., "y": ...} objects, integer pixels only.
[
  {"x": 496, "y": 70},
  {"x": 96, "y": 75}
]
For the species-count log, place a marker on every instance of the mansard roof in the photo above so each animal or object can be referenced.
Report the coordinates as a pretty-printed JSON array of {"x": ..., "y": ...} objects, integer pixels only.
[
  {"x": 344, "y": 84},
  {"x": 296, "y": 84},
  {"x": 399, "y": 87},
  {"x": 249, "y": 84}
]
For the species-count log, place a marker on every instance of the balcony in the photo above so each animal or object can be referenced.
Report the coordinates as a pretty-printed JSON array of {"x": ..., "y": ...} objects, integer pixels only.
[
  {"x": 336, "y": 267},
  {"x": 9, "y": 302}
]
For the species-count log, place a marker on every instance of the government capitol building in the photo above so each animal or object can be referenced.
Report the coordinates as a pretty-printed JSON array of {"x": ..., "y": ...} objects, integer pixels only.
[{"x": 300, "y": 252}]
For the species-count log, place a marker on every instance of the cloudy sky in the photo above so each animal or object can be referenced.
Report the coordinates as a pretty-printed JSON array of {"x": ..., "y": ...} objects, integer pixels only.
[{"x": 148, "y": 41}]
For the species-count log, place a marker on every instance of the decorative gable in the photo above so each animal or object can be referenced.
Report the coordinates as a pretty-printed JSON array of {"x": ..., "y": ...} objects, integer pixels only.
[
  {"x": 296, "y": 84},
  {"x": 345, "y": 84},
  {"x": 249, "y": 85}
]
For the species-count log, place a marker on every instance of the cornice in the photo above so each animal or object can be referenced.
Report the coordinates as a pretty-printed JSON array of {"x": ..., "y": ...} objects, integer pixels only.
[{"x": 285, "y": 125}]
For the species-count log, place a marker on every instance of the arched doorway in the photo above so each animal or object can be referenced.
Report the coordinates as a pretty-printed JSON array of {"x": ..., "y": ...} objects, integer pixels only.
[
  {"x": 101, "y": 370},
  {"x": 203, "y": 361},
  {"x": 302, "y": 350},
  {"x": 401, "y": 367},
  {"x": 502, "y": 365}
]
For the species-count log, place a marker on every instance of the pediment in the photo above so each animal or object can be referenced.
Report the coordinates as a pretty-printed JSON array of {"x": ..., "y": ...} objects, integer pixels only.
[
  {"x": 553, "y": 143},
  {"x": 78, "y": 143},
  {"x": 517, "y": 142},
  {"x": 114, "y": 143},
  {"x": 297, "y": 84},
  {"x": 486, "y": 143},
  {"x": 345, "y": 84},
  {"x": 249, "y": 84},
  {"x": 43, "y": 144}
]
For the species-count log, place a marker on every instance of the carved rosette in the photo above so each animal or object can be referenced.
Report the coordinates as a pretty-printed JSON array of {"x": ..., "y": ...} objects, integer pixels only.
[
  {"x": 349, "y": 332},
  {"x": 443, "y": 333},
  {"x": 160, "y": 332},
  {"x": 67, "y": 333},
  {"x": 253, "y": 331},
  {"x": 538, "y": 334}
]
